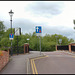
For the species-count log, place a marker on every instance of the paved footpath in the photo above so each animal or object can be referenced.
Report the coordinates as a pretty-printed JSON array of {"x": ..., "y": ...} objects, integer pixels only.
[
  {"x": 57, "y": 62},
  {"x": 18, "y": 63}
]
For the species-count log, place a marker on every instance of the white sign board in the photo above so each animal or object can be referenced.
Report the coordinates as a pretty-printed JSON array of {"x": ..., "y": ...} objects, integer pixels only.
[
  {"x": 10, "y": 38},
  {"x": 17, "y": 31}
]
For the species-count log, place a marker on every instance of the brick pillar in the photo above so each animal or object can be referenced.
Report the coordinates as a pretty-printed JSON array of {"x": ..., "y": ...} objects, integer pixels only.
[
  {"x": 69, "y": 48},
  {"x": 56, "y": 47},
  {"x": 24, "y": 48},
  {"x": 27, "y": 48}
]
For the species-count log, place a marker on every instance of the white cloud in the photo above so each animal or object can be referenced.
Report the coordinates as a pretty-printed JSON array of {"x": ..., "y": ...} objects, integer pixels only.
[{"x": 60, "y": 22}]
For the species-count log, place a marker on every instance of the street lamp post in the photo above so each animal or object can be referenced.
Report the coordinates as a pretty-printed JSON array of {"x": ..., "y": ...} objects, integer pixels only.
[
  {"x": 60, "y": 41},
  {"x": 74, "y": 23},
  {"x": 40, "y": 44},
  {"x": 11, "y": 14},
  {"x": 56, "y": 39},
  {"x": 28, "y": 40},
  {"x": 37, "y": 43}
]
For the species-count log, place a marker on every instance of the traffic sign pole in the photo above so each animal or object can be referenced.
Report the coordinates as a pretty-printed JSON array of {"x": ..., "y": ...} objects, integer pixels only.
[
  {"x": 11, "y": 38},
  {"x": 38, "y": 32},
  {"x": 40, "y": 44}
]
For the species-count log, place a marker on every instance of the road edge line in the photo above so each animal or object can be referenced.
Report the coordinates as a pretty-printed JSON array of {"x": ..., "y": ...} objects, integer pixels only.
[
  {"x": 32, "y": 67},
  {"x": 40, "y": 57},
  {"x": 35, "y": 67}
]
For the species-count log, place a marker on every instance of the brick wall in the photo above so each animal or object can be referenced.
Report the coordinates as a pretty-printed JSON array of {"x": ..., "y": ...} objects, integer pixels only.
[{"x": 4, "y": 59}]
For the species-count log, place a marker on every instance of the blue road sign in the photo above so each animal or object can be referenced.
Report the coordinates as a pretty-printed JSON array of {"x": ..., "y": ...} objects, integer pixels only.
[
  {"x": 11, "y": 35},
  {"x": 38, "y": 29}
]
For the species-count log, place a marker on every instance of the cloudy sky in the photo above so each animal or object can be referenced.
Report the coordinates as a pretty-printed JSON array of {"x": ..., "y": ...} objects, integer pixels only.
[{"x": 55, "y": 17}]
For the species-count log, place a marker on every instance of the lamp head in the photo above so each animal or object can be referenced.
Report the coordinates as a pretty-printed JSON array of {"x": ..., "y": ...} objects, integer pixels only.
[
  {"x": 11, "y": 13},
  {"x": 74, "y": 21}
]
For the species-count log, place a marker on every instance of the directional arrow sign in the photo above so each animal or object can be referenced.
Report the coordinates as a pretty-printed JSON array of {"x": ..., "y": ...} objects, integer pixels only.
[{"x": 38, "y": 30}]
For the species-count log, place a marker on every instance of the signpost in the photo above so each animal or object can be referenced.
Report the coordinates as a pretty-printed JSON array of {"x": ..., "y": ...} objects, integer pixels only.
[
  {"x": 38, "y": 33},
  {"x": 60, "y": 41},
  {"x": 11, "y": 36},
  {"x": 17, "y": 33}
]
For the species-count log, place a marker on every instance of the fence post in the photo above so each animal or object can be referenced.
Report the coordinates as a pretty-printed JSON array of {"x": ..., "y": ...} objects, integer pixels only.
[
  {"x": 24, "y": 48},
  {"x": 69, "y": 48},
  {"x": 27, "y": 48}
]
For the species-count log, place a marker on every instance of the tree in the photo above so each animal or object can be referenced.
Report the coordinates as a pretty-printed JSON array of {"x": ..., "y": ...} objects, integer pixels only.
[
  {"x": 5, "y": 42},
  {"x": 2, "y": 29},
  {"x": 8, "y": 31},
  {"x": 70, "y": 40},
  {"x": 48, "y": 42}
]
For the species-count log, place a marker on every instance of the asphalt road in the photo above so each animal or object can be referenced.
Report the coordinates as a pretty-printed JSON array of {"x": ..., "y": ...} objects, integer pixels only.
[
  {"x": 19, "y": 64},
  {"x": 58, "y": 62}
]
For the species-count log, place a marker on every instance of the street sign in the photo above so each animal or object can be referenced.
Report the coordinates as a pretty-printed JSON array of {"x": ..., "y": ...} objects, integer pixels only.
[
  {"x": 38, "y": 30},
  {"x": 17, "y": 31},
  {"x": 38, "y": 33},
  {"x": 11, "y": 36}
]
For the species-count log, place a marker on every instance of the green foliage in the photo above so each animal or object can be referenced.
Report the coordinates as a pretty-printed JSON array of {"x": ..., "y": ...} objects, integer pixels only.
[
  {"x": 48, "y": 42},
  {"x": 2, "y": 29},
  {"x": 6, "y": 34},
  {"x": 4, "y": 49},
  {"x": 5, "y": 42}
]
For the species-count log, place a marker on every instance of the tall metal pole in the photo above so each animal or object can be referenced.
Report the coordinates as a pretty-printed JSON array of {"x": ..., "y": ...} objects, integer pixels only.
[
  {"x": 11, "y": 14},
  {"x": 17, "y": 46},
  {"x": 56, "y": 40},
  {"x": 37, "y": 43},
  {"x": 28, "y": 41},
  {"x": 40, "y": 44},
  {"x": 11, "y": 33},
  {"x": 60, "y": 43}
]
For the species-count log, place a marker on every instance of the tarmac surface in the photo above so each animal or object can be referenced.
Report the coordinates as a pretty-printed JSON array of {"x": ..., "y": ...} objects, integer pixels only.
[
  {"x": 57, "y": 62},
  {"x": 19, "y": 64}
]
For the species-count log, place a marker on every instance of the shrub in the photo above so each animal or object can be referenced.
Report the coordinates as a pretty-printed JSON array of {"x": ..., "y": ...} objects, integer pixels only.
[
  {"x": 1, "y": 53},
  {"x": 5, "y": 49}
]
